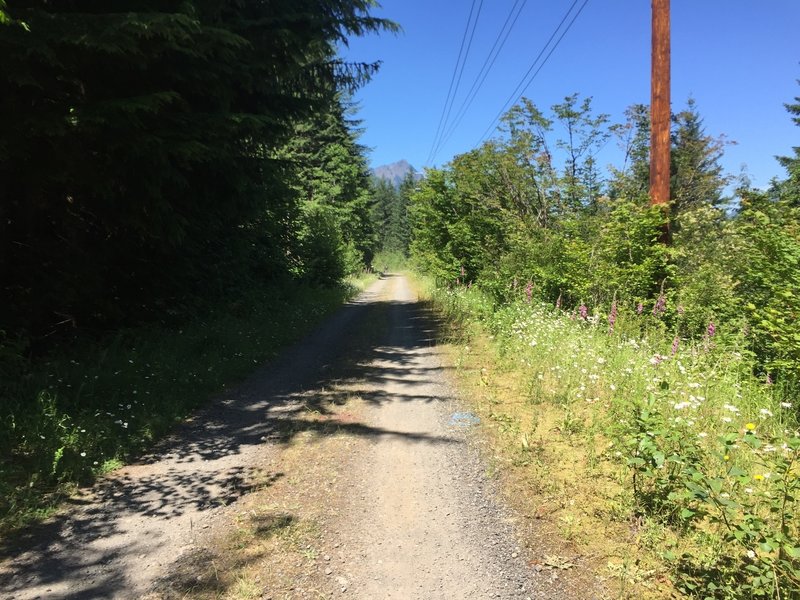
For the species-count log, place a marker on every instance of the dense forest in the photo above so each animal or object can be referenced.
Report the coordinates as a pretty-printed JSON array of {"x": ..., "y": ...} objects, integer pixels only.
[
  {"x": 164, "y": 164},
  {"x": 164, "y": 152}
]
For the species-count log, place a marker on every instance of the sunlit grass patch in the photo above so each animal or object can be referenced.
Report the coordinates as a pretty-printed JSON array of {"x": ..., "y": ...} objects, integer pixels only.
[{"x": 674, "y": 439}]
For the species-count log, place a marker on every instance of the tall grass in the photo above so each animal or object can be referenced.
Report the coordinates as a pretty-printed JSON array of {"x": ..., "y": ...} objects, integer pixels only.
[
  {"x": 90, "y": 406},
  {"x": 703, "y": 450}
]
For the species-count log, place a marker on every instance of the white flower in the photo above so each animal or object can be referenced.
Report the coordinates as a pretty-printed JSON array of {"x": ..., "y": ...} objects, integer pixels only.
[
  {"x": 83, "y": 453},
  {"x": 765, "y": 412},
  {"x": 601, "y": 360},
  {"x": 694, "y": 385},
  {"x": 731, "y": 408},
  {"x": 702, "y": 434},
  {"x": 751, "y": 554},
  {"x": 786, "y": 404}
]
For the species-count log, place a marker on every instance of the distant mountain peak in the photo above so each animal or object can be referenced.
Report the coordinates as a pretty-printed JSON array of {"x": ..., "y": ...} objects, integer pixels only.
[{"x": 396, "y": 172}]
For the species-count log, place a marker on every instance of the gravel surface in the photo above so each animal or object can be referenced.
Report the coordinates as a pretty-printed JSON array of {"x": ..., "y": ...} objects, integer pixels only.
[{"x": 414, "y": 514}]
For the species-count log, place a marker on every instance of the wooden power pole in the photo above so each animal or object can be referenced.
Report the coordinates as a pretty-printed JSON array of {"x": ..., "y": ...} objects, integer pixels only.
[{"x": 660, "y": 112}]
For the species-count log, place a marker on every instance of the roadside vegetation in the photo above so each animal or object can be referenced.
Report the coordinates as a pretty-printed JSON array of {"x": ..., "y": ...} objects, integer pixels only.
[
  {"x": 635, "y": 384},
  {"x": 90, "y": 408},
  {"x": 183, "y": 193}
]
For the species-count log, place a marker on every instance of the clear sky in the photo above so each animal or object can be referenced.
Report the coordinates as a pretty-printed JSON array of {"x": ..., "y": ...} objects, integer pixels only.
[{"x": 739, "y": 59}]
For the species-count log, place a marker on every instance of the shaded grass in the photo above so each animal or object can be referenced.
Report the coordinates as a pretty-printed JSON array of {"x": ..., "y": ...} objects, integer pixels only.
[{"x": 88, "y": 407}]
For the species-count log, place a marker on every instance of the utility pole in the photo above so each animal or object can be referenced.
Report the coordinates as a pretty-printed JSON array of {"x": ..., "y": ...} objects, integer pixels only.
[{"x": 660, "y": 111}]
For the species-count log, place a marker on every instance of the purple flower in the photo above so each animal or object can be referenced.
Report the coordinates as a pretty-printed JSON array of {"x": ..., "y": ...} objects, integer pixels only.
[
  {"x": 558, "y": 302},
  {"x": 711, "y": 330},
  {"x": 675, "y": 343},
  {"x": 660, "y": 306},
  {"x": 769, "y": 379},
  {"x": 639, "y": 308},
  {"x": 612, "y": 316},
  {"x": 463, "y": 272},
  {"x": 529, "y": 291},
  {"x": 584, "y": 311}
]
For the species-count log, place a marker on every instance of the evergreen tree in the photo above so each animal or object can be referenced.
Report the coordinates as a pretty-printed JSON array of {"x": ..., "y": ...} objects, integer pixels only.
[
  {"x": 139, "y": 170},
  {"x": 791, "y": 187},
  {"x": 696, "y": 175}
]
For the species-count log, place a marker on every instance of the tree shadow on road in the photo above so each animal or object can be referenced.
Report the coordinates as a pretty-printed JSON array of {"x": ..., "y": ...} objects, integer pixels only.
[{"x": 213, "y": 459}]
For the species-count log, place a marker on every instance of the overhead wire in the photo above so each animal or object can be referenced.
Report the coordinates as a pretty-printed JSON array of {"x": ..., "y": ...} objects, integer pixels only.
[
  {"x": 457, "y": 74},
  {"x": 527, "y": 79},
  {"x": 480, "y": 78}
]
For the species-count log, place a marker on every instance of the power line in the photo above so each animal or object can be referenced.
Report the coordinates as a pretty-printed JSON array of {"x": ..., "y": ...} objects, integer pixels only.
[
  {"x": 491, "y": 58},
  {"x": 457, "y": 73},
  {"x": 523, "y": 84}
]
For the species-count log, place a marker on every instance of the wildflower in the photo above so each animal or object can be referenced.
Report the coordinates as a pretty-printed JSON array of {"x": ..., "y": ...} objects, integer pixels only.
[
  {"x": 750, "y": 426},
  {"x": 584, "y": 311},
  {"x": 558, "y": 302},
  {"x": 680, "y": 309},
  {"x": 601, "y": 360},
  {"x": 748, "y": 490},
  {"x": 529, "y": 291},
  {"x": 731, "y": 408},
  {"x": 765, "y": 412},
  {"x": 675, "y": 344},
  {"x": 711, "y": 329},
  {"x": 726, "y": 419},
  {"x": 702, "y": 434},
  {"x": 660, "y": 305},
  {"x": 726, "y": 457},
  {"x": 769, "y": 379},
  {"x": 786, "y": 404},
  {"x": 758, "y": 477},
  {"x": 656, "y": 360},
  {"x": 83, "y": 453},
  {"x": 639, "y": 308},
  {"x": 463, "y": 271},
  {"x": 612, "y": 317},
  {"x": 751, "y": 554}
]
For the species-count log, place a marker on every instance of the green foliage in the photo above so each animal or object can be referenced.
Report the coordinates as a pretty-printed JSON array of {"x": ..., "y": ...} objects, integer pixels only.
[
  {"x": 143, "y": 158},
  {"x": 768, "y": 234},
  {"x": 65, "y": 419},
  {"x": 523, "y": 211},
  {"x": 706, "y": 450}
]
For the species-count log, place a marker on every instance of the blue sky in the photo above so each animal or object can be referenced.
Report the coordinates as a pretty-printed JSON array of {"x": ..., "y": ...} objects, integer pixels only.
[{"x": 739, "y": 59}]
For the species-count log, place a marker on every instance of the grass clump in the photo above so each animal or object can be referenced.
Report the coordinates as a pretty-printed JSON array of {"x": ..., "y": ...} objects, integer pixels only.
[
  {"x": 87, "y": 407},
  {"x": 675, "y": 439}
]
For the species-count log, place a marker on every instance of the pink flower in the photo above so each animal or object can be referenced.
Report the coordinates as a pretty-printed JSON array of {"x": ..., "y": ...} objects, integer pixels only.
[
  {"x": 612, "y": 316},
  {"x": 675, "y": 343},
  {"x": 529, "y": 291},
  {"x": 639, "y": 308},
  {"x": 660, "y": 306},
  {"x": 711, "y": 330},
  {"x": 584, "y": 311}
]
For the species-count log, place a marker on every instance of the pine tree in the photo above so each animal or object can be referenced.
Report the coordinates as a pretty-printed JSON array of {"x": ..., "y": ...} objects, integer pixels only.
[{"x": 696, "y": 175}]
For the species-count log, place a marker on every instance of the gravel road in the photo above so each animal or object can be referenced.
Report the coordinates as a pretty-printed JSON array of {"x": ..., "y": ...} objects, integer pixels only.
[{"x": 417, "y": 517}]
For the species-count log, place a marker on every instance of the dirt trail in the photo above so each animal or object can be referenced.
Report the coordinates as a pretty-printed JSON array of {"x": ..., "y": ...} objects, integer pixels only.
[{"x": 413, "y": 514}]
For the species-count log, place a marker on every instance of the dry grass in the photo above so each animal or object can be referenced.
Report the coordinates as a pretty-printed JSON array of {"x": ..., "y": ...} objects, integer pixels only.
[{"x": 547, "y": 455}]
